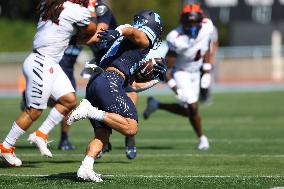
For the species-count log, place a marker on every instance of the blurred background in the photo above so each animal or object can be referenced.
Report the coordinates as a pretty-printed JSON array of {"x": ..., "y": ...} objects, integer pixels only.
[{"x": 250, "y": 34}]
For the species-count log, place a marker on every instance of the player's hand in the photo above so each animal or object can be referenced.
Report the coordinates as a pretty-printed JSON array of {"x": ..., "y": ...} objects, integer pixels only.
[
  {"x": 160, "y": 69},
  {"x": 108, "y": 36},
  {"x": 205, "y": 81},
  {"x": 89, "y": 69}
]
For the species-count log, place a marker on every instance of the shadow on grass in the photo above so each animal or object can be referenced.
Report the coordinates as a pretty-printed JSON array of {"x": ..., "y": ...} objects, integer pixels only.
[
  {"x": 69, "y": 175},
  {"x": 72, "y": 176}
]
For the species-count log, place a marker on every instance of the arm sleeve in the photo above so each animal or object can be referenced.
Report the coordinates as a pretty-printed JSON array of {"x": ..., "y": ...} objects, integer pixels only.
[{"x": 80, "y": 16}]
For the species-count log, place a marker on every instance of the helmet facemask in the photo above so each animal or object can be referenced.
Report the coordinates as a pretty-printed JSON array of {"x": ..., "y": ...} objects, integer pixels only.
[{"x": 191, "y": 24}]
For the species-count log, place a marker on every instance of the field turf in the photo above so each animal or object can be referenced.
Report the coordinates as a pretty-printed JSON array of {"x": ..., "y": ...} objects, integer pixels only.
[{"x": 246, "y": 133}]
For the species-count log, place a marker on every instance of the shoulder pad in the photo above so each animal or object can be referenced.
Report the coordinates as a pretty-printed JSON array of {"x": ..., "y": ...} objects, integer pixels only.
[{"x": 101, "y": 10}]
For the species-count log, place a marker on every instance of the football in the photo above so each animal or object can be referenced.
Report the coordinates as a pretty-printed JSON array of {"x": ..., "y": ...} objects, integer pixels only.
[{"x": 146, "y": 70}]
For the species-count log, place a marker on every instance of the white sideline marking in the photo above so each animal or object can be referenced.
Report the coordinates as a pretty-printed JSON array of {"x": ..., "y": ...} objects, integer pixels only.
[
  {"x": 151, "y": 176},
  {"x": 167, "y": 155}
]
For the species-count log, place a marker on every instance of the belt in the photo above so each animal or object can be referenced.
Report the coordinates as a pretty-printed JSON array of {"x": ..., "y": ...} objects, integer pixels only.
[{"x": 113, "y": 69}]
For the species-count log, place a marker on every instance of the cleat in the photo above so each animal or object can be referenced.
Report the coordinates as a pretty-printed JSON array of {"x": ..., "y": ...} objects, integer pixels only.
[
  {"x": 65, "y": 145},
  {"x": 106, "y": 149},
  {"x": 40, "y": 142},
  {"x": 203, "y": 143},
  {"x": 80, "y": 112},
  {"x": 131, "y": 152},
  {"x": 152, "y": 106},
  {"x": 88, "y": 174},
  {"x": 9, "y": 156}
]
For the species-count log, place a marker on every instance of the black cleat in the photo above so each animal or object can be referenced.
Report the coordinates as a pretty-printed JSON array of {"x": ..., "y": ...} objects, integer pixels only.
[{"x": 65, "y": 145}]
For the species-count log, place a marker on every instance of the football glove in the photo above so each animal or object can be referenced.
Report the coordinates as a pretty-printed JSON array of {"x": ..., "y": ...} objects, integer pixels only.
[
  {"x": 205, "y": 81},
  {"x": 89, "y": 69},
  {"x": 108, "y": 36},
  {"x": 160, "y": 69}
]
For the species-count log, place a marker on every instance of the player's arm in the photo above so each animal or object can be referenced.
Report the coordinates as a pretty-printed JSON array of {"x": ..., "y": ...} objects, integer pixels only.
[
  {"x": 87, "y": 31},
  {"x": 94, "y": 39},
  {"x": 139, "y": 87},
  {"x": 136, "y": 36},
  {"x": 104, "y": 16},
  {"x": 170, "y": 62},
  {"x": 207, "y": 66}
]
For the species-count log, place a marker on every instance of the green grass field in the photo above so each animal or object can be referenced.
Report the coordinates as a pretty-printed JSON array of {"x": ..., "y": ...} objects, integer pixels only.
[{"x": 246, "y": 131}]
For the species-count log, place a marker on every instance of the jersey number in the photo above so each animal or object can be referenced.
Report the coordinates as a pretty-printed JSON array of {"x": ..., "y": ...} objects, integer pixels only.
[{"x": 197, "y": 55}]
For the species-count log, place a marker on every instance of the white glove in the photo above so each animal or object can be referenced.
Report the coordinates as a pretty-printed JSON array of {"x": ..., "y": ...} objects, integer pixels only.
[
  {"x": 205, "y": 81},
  {"x": 181, "y": 96},
  {"x": 90, "y": 69}
]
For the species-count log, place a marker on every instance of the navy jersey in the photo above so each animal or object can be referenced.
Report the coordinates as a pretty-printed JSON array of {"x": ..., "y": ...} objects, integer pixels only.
[{"x": 126, "y": 56}]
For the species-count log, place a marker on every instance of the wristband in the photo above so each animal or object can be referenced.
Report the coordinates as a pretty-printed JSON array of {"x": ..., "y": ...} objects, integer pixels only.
[
  {"x": 207, "y": 67},
  {"x": 172, "y": 83}
]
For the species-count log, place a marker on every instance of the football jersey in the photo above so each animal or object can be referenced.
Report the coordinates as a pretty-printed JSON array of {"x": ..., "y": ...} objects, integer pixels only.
[
  {"x": 190, "y": 51},
  {"x": 53, "y": 38},
  {"x": 125, "y": 55}
]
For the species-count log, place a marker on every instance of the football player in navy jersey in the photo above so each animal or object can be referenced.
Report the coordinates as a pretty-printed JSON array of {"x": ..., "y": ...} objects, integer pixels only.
[
  {"x": 105, "y": 20},
  {"x": 107, "y": 104}
]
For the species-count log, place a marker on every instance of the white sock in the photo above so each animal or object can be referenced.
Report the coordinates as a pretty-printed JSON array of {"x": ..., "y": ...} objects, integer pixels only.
[
  {"x": 54, "y": 117},
  {"x": 13, "y": 136},
  {"x": 88, "y": 162},
  {"x": 95, "y": 113}
]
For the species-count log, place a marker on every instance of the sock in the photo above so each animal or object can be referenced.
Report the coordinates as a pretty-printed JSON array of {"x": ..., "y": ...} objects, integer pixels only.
[
  {"x": 13, "y": 136},
  {"x": 54, "y": 117},
  {"x": 88, "y": 162},
  {"x": 95, "y": 113},
  {"x": 64, "y": 136}
]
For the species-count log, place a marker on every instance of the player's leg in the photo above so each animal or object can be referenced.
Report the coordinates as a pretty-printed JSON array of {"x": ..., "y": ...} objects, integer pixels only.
[
  {"x": 130, "y": 147},
  {"x": 86, "y": 170},
  {"x": 191, "y": 89},
  {"x": 65, "y": 101},
  {"x": 67, "y": 64},
  {"x": 195, "y": 120},
  {"x": 37, "y": 94},
  {"x": 19, "y": 127},
  {"x": 118, "y": 111}
]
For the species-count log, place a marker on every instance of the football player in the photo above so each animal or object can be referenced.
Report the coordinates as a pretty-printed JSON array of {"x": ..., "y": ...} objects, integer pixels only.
[
  {"x": 59, "y": 20},
  {"x": 105, "y": 20},
  {"x": 106, "y": 103},
  {"x": 188, "y": 52}
]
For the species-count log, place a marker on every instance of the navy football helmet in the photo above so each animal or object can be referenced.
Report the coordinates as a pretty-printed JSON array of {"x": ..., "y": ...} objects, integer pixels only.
[
  {"x": 191, "y": 19},
  {"x": 150, "y": 19}
]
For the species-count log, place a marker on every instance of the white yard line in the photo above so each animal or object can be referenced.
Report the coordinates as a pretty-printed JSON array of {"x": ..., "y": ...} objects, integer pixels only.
[
  {"x": 167, "y": 155},
  {"x": 149, "y": 176}
]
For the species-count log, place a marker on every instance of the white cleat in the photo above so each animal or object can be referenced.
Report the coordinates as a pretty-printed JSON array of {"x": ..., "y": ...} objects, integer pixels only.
[
  {"x": 88, "y": 174},
  {"x": 80, "y": 112},
  {"x": 9, "y": 156},
  {"x": 40, "y": 143},
  {"x": 203, "y": 143}
]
